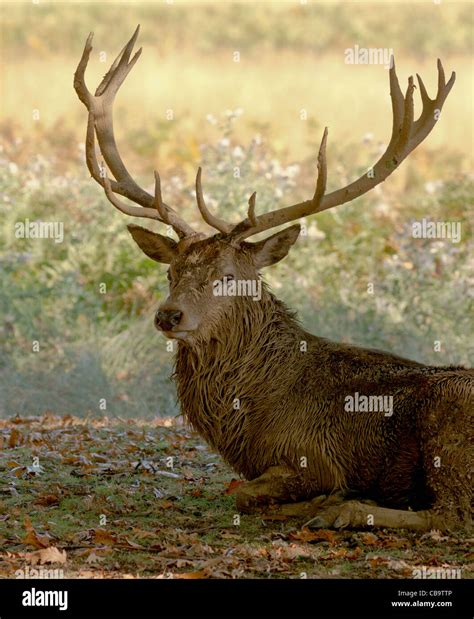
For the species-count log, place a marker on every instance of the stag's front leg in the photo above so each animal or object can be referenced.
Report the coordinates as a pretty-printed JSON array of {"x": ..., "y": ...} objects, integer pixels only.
[
  {"x": 356, "y": 515},
  {"x": 279, "y": 484}
]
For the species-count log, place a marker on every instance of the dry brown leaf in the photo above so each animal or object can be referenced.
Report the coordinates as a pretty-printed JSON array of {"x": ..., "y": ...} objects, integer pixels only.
[
  {"x": 369, "y": 539},
  {"x": 133, "y": 544},
  {"x": 307, "y": 535},
  {"x": 46, "y": 555},
  {"x": 32, "y": 537},
  {"x": 323, "y": 535},
  {"x": 15, "y": 438},
  {"x": 375, "y": 562},
  {"x": 165, "y": 504},
  {"x": 101, "y": 536},
  {"x": 288, "y": 552},
  {"x": 395, "y": 542},
  {"x": 233, "y": 485},
  {"x": 12, "y": 464},
  {"x": 141, "y": 533},
  {"x": 47, "y": 500}
]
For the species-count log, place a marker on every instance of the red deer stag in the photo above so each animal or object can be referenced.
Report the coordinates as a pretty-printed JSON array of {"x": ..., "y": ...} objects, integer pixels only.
[{"x": 270, "y": 397}]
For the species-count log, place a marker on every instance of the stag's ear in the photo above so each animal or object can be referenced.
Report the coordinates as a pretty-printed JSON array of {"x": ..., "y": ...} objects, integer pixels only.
[
  {"x": 272, "y": 250},
  {"x": 155, "y": 246}
]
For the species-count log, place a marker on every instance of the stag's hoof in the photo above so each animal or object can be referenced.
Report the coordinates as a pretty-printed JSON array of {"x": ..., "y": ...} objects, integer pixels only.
[
  {"x": 319, "y": 523},
  {"x": 326, "y": 518}
]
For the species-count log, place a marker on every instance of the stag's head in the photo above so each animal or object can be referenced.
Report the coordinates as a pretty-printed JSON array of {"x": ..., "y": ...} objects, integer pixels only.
[
  {"x": 201, "y": 267},
  {"x": 208, "y": 275}
]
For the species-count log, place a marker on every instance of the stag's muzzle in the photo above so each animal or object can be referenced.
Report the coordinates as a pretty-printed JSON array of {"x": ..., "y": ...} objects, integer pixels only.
[{"x": 166, "y": 319}]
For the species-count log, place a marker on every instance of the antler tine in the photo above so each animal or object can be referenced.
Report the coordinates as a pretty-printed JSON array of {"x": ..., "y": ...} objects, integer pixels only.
[
  {"x": 158, "y": 201},
  {"x": 209, "y": 218},
  {"x": 100, "y": 124},
  {"x": 254, "y": 224},
  {"x": 168, "y": 215},
  {"x": 407, "y": 134},
  {"x": 120, "y": 67},
  {"x": 251, "y": 211},
  {"x": 396, "y": 95},
  {"x": 134, "y": 211},
  {"x": 408, "y": 112},
  {"x": 322, "y": 170},
  {"x": 432, "y": 107},
  {"x": 79, "y": 76}
]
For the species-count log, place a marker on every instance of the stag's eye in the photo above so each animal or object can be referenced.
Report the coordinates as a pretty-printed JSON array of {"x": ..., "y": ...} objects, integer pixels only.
[
  {"x": 228, "y": 278},
  {"x": 168, "y": 276}
]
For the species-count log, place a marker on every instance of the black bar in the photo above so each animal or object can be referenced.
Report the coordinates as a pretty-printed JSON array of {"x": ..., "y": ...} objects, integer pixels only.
[{"x": 190, "y": 599}]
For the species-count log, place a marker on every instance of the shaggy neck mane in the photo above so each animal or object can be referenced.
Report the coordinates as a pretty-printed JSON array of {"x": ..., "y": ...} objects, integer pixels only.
[{"x": 227, "y": 382}]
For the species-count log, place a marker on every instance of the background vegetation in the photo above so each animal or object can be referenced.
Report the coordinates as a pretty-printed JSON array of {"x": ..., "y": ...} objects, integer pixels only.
[{"x": 226, "y": 114}]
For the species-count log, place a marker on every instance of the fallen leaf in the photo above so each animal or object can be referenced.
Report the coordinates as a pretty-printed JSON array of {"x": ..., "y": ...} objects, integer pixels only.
[
  {"x": 15, "y": 438},
  {"x": 33, "y": 538},
  {"x": 101, "y": 536},
  {"x": 47, "y": 500},
  {"x": 369, "y": 539},
  {"x": 46, "y": 555},
  {"x": 133, "y": 544},
  {"x": 233, "y": 485},
  {"x": 12, "y": 464},
  {"x": 306, "y": 535},
  {"x": 166, "y": 504}
]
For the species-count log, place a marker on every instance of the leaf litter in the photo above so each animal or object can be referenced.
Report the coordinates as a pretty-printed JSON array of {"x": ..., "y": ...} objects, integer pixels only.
[{"x": 107, "y": 498}]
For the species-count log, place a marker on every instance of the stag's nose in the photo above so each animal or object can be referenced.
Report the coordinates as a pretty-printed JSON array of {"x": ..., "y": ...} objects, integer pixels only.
[{"x": 166, "y": 319}]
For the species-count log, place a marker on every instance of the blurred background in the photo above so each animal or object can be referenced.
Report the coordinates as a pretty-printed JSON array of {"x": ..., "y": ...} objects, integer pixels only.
[{"x": 263, "y": 115}]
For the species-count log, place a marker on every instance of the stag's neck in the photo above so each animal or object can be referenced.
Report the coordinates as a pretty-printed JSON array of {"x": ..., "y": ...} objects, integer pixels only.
[{"x": 223, "y": 380}]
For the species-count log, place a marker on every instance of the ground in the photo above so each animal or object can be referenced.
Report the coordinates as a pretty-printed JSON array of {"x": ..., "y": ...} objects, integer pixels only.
[{"x": 125, "y": 499}]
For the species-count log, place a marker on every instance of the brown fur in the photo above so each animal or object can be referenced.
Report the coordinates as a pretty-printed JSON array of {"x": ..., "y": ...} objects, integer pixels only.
[{"x": 291, "y": 405}]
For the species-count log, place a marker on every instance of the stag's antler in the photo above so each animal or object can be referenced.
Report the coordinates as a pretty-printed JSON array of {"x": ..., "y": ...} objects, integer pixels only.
[
  {"x": 100, "y": 123},
  {"x": 407, "y": 134}
]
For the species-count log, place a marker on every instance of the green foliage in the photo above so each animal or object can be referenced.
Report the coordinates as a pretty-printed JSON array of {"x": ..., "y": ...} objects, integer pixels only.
[{"x": 95, "y": 345}]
